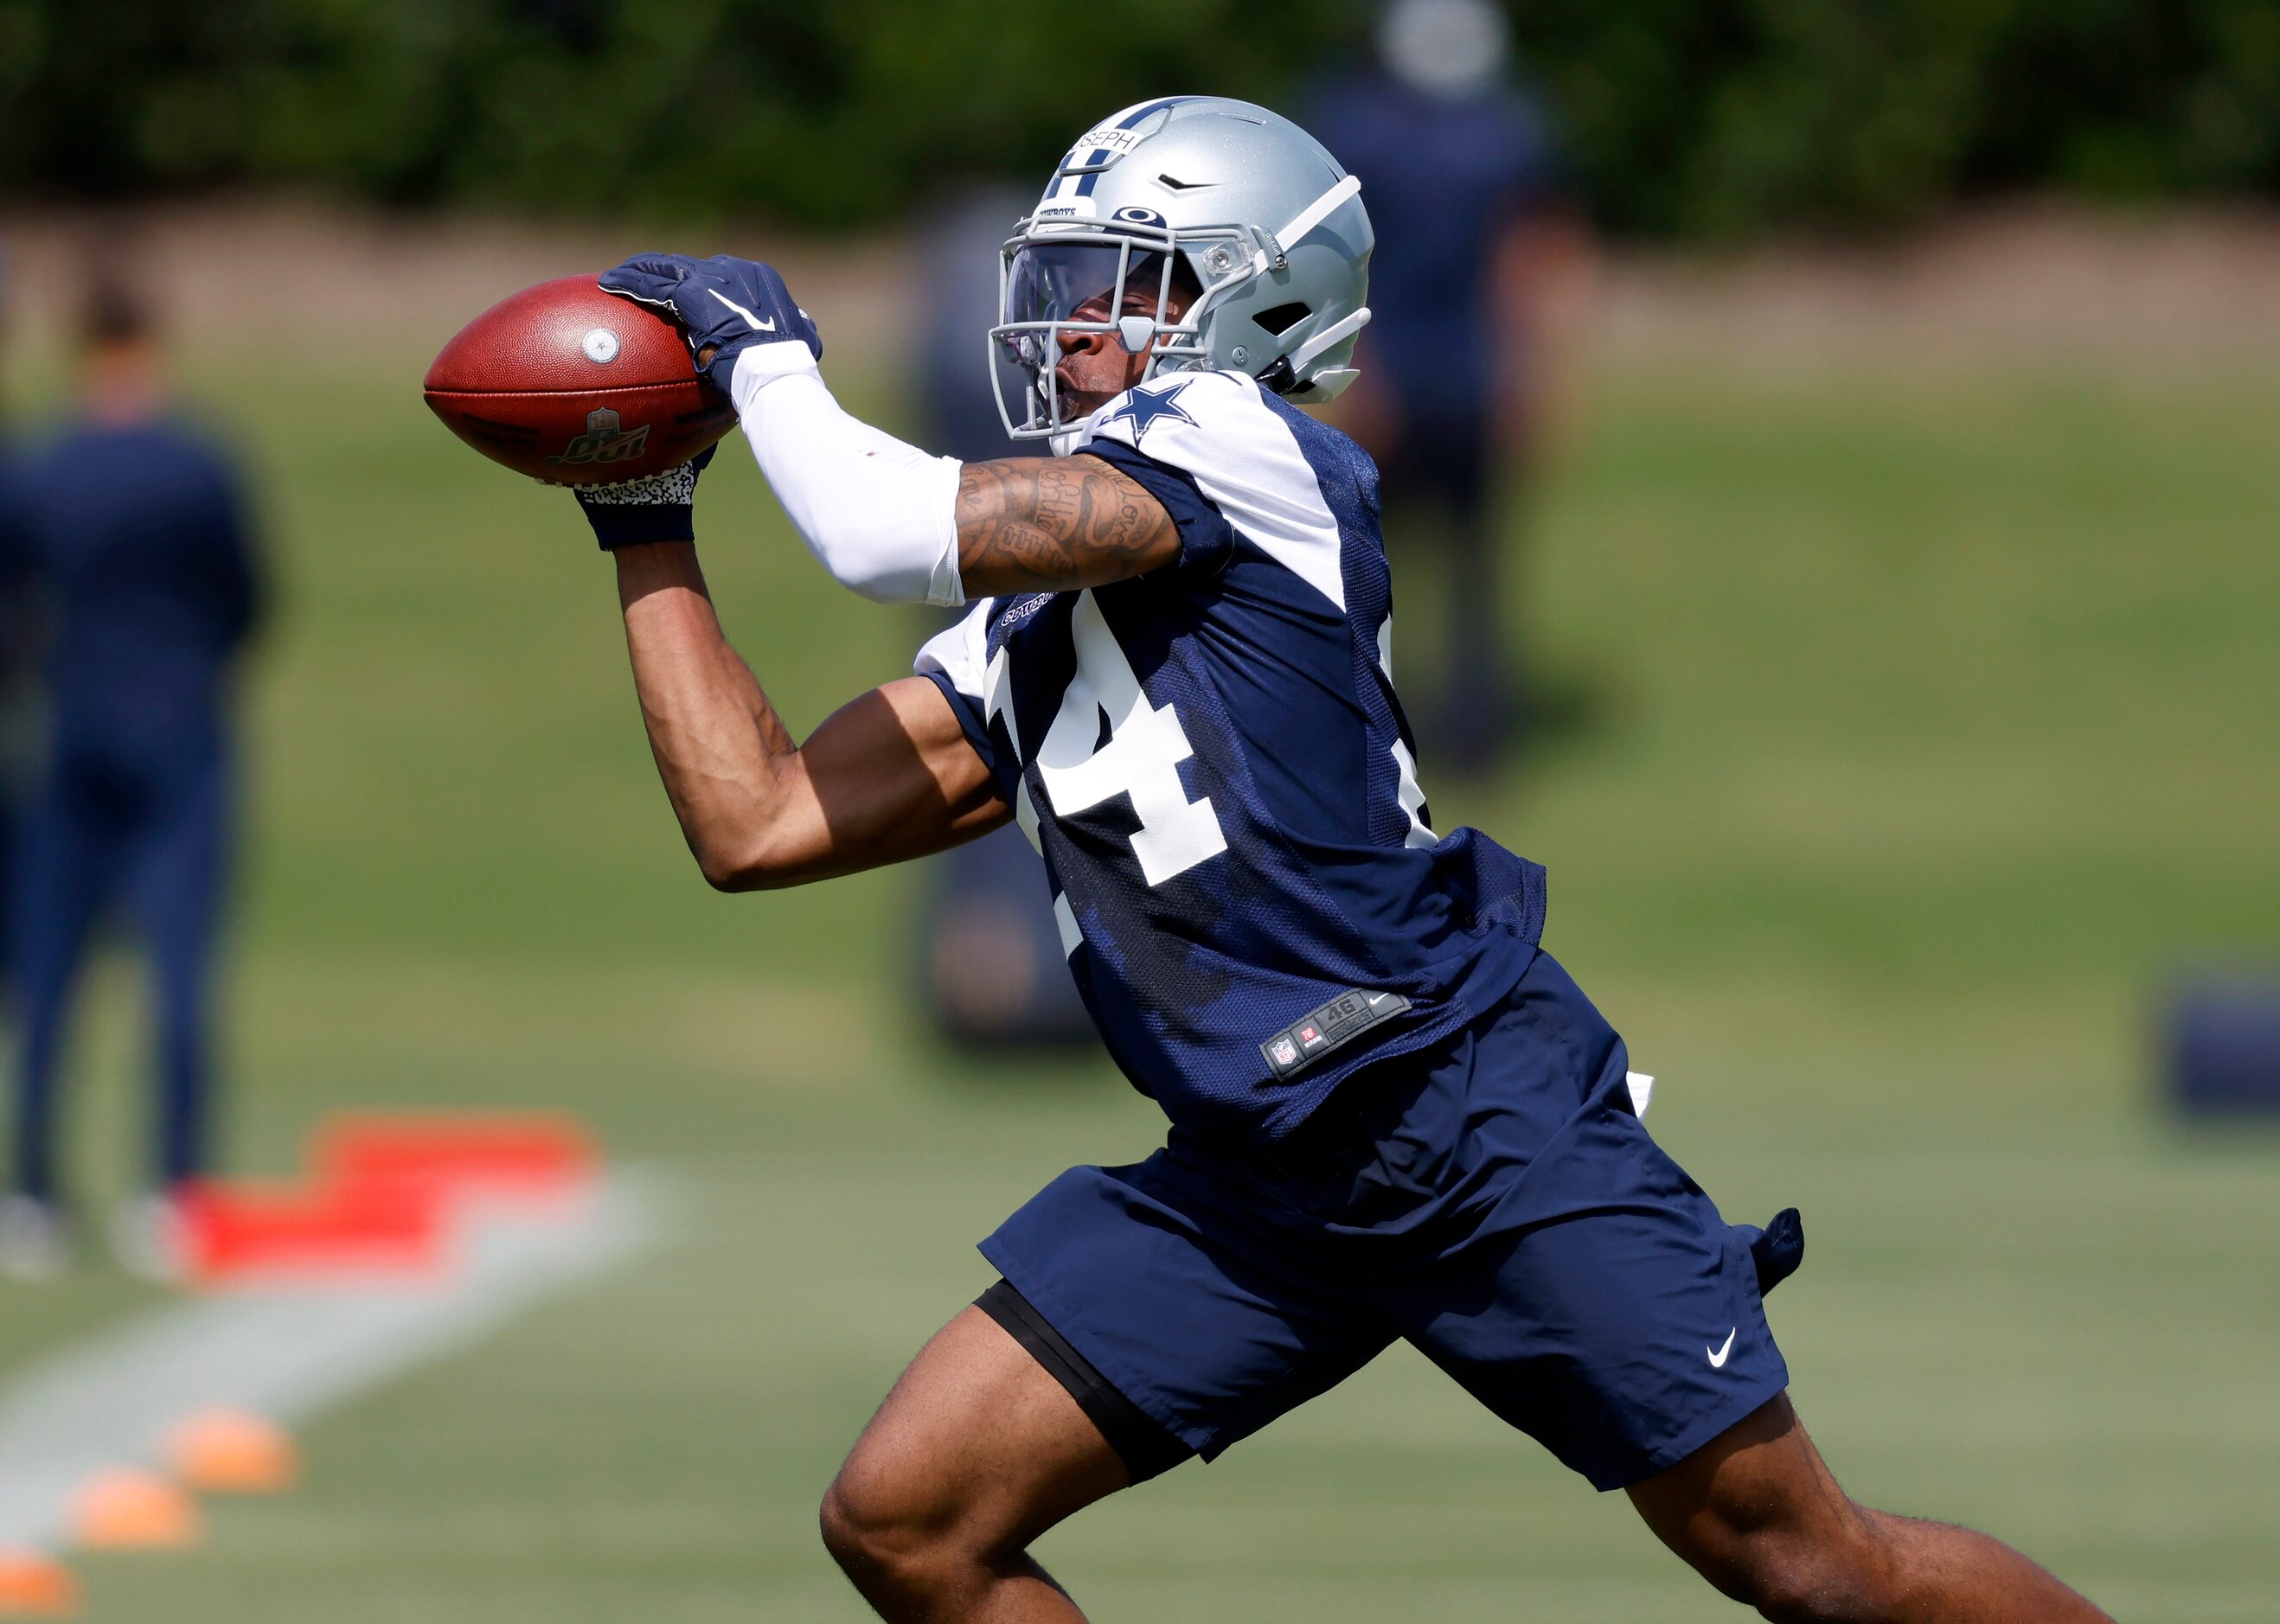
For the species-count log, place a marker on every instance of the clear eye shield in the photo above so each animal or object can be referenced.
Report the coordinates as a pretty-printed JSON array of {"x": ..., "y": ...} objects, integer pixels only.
[
  {"x": 1074, "y": 282},
  {"x": 1086, "y": 286}
]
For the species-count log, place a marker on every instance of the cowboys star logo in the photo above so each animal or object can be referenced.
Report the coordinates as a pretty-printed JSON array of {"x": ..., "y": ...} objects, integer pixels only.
[{"x": 1143, "y": 409}]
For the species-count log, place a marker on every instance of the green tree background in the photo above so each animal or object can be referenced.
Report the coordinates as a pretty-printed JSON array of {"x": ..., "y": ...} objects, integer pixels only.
[{"x": 1717, "y": 119}]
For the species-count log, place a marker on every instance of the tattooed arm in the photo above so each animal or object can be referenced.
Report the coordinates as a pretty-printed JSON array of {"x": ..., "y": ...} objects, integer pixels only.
[
  {"x": 1052, "y": 524},
  {"x": 887, "y": 777}
]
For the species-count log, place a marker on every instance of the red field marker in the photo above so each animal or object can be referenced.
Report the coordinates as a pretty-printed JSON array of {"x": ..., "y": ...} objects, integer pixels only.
[
  {"x": 232, "y": 1231},
  {"x": 380, "y": 1196},
  {"x": 528, "y": 1154}
]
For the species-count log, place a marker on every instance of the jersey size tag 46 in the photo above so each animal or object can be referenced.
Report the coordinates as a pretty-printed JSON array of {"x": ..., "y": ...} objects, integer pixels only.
[{"x": 1335, "y": 1024}]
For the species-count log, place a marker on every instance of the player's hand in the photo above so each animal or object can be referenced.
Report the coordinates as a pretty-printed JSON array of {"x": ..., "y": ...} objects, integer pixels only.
[
  {"x": 660, "y": 508},
  {"x": 723, "y": 307}
]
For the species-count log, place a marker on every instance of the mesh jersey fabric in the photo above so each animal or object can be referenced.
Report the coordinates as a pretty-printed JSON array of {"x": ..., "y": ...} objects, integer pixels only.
[{"x": 1213, "y": 764}]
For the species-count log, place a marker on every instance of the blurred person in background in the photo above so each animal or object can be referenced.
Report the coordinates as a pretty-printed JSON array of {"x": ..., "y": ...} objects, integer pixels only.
[
  {"x": 140, "y": 547},
  {"x": 957, "y": 295},
  {"x": 15, "y": 641},
  {"x": 1475, "y": 238},
  {"x": 989, "y": 952}
]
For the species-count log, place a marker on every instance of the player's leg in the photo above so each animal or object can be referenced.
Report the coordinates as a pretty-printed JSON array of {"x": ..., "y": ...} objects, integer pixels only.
[
  {"x": 1632, "y": 1344},
  {"x": 977, "y": 1452},
  {"x": 1605, "y": 1306},
  {"x": 1757, "y": 1513},
  {"x": 1145, "y": 1317}
]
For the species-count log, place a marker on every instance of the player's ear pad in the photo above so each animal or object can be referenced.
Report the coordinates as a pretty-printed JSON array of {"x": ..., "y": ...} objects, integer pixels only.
[{"x": 1777, "y": 1249}]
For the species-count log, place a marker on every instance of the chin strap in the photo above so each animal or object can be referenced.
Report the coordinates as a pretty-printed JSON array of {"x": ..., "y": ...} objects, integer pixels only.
[
  {"x": 1284, "y": 376},
  {"x": 1336, "y": 333}
]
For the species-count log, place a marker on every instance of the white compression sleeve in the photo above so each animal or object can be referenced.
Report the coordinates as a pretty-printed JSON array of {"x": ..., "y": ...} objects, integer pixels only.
[{"x": 880, "y": 515}]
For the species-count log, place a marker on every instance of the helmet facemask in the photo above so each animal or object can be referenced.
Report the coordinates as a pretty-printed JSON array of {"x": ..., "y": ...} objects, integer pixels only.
[{"x": 1063, "y": 279}]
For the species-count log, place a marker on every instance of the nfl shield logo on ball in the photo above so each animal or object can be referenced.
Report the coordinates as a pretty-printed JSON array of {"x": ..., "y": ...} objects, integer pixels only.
[{"x": 604, "y": 441}]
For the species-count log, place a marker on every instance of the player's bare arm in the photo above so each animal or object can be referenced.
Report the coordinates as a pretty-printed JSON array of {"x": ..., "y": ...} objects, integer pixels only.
[
  {"x": 1034, "y": 524},
  {"x": 886, "y": 777},
  {"x": 889, "y": 775}
]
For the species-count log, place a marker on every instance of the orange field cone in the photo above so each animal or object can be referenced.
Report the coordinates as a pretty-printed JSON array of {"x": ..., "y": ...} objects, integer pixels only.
[
  {"x": 233, "y": 1451},
  {"x": 34, "y": 1585},
  {"x": 133, "y": 1510}
]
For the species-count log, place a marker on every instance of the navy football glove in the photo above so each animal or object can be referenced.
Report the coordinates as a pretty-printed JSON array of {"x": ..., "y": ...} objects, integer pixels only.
[
  {"x": 660, "y": 508},
  {"x": 727, "y": 304}
]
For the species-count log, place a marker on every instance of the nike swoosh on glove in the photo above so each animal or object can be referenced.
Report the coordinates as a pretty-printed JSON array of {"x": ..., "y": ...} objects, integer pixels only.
[{"x": 728, "y": 305}]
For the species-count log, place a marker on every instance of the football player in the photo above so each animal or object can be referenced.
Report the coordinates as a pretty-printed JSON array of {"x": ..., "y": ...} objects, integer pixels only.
[{"x": 1392, "y": 1114}]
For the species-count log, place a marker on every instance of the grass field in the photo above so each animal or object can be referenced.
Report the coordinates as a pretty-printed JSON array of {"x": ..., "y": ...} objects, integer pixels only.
[{"x": 1929, "y": 731}]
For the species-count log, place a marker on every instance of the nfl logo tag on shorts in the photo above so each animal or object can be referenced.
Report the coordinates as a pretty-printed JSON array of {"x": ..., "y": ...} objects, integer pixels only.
[{"x": 1340, "y": 1021}]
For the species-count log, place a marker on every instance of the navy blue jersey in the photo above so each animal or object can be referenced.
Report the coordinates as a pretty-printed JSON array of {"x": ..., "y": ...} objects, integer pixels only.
[
  {"x": 1213, "y": 764},
  {"x": 16, "y": 628},
  {"x": 15, "y": 572}
]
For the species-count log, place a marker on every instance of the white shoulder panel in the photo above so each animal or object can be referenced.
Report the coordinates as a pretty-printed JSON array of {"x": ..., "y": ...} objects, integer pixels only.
[
  {"x": 960, "y": 652},
  {"x": 1216, "y": 429}
]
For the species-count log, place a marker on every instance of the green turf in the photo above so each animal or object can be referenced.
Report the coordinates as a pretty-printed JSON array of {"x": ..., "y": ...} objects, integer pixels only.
[{"x": 1924, "y": 729}]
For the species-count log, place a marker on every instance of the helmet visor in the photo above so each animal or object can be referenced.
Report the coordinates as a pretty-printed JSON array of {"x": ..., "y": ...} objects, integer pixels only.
[{"x": 1091, "y": 283}]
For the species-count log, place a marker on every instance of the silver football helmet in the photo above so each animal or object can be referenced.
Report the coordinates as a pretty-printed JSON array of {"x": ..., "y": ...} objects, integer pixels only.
[{"x": 1238, "y": 205}]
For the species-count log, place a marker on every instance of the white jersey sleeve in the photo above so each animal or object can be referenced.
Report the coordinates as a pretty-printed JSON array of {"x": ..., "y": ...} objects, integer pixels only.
[
  {"x": 957, "y": 661},
  {"x": 959, "y": 653},
  {"x": 1216, "y": 436}
]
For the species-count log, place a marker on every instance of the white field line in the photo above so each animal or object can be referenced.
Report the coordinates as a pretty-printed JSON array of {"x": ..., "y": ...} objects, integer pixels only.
[{"x": 288, "y": 1349}]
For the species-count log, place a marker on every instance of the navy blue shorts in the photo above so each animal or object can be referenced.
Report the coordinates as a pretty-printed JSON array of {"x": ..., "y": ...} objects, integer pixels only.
[{"x": 1493, "y": 1200}]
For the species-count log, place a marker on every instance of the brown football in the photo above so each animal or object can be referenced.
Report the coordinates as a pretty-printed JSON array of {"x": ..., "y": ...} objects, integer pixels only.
[{"x": 567, "y": 384}]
